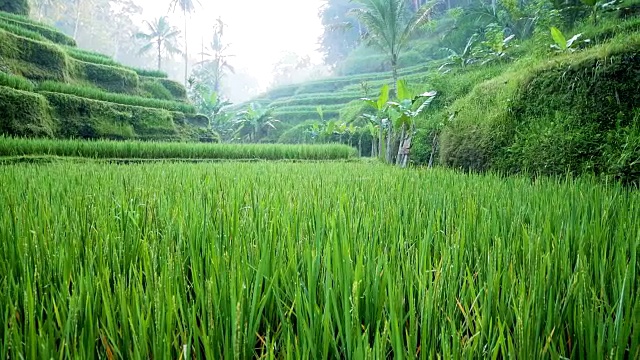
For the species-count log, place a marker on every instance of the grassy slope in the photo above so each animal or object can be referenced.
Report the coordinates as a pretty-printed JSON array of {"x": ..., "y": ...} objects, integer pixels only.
[
  {"x": 553, "y": 114},
  {"x": 39, "y": 59}
]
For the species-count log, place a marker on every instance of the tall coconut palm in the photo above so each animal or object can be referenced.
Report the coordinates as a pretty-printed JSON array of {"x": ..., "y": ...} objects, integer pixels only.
[
  {"x": 215, "y": 61},
  {"x": 187, "y": 7},
  {"x": 389, "y": 25},
  {"x": 161, "y": 36}
]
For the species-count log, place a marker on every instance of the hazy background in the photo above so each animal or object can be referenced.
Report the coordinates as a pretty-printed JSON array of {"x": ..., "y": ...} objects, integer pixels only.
[{"x": 259, "y": 32}]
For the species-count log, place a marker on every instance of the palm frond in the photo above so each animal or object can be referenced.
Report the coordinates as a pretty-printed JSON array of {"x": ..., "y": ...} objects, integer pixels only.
[
  {"x": 145, "y": 49},
  {"x": 419, "y": 19}
]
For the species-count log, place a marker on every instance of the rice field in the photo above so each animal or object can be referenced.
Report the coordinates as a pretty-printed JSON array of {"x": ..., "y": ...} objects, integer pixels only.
[
  {"x": 313, "y": 261},
  {"x": 149, "y": 150}
]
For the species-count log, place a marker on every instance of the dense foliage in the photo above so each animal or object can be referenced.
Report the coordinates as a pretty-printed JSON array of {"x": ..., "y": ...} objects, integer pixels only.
[
  {"x": 20, "y": 7},
  {"x": 313, "y": 261}
]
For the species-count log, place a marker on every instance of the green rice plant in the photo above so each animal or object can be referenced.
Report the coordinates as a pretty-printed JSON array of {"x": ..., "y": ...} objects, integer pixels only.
[
  {"x": 97, "y": 94},
  {"x": 11, "y": 27},
  {"x": 104, "y": 149},
  {"x": 97, "y": 58},
  {"x": 90, "y": 57},
  {"x": 49, "y": 32},
  {"x": 25, "y": 19},
  {"x": 318, "y": 99},
  {"x": 318, "y": 261},
  {"x": 16, "y": 82},
  {"x": 151, "y": 73}
]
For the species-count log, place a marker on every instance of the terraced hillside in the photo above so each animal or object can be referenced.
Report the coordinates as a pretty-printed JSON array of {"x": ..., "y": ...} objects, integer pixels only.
[
  {"x": 299, "y": 102},
  {"x": 51, "y": 88}
]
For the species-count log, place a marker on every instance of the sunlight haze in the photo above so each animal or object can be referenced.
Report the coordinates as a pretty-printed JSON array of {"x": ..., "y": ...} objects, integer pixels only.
[{"x": 259, "y": 32}]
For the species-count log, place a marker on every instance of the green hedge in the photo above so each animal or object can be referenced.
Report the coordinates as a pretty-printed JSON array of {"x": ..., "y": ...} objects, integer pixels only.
[
  {"x": 49, "y": 33},
  {"x": 85, "y": 118},
  {"x": 24, "y": 114}
]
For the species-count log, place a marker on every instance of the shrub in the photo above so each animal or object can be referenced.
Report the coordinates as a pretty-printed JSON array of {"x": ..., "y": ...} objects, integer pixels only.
[
  {"x": 20, "y": 7},
  {"x": 91, "y": 119},
  {"x": 110, "y": 78},
  {"x": 33, "y": 59},
  {"x": 568, "y": 115},
  {"x": 154, "y": 89},
  {"x": 298, "y": 134},
  {"x": 175, "y": 88},
  {"x": 24, "y": 114}
]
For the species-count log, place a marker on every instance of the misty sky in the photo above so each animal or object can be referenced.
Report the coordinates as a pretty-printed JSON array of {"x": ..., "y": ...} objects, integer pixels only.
[{"x": 259, "y": 31}]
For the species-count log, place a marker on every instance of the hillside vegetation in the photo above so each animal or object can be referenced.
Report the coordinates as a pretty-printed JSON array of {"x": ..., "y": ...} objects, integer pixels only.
[
  {"x": 51, "y": 88},
  {"x": 525, "y": 108}
]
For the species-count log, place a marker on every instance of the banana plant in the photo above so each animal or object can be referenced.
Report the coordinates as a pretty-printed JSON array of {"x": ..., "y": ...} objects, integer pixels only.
[
  {"x": 380, "y": 105},
  {"x": 461, "y": 59},
  {"x": 564, "y": 45},
  {"x": 600, "y": 6},
  {"x": 404, "y": 113},
  {"x": 372, "y": 129},
  {"x": 495, "y": 46}
]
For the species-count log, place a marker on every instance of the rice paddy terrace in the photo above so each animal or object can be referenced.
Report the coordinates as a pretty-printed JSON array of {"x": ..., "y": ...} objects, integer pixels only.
[
  {"x": 299, "y": 102},
  {"x": 51, "y": 88},
  {"x": 313, "y": 261}
]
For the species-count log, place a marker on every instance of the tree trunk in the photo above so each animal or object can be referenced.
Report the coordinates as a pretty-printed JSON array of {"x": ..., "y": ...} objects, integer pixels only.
[
  {"x": 389, "y": 141},
  {"x": 373, "y": 147},
  {"x": 434, "y": 146},
  {"x": 360, "y": 146},
  {"x": 401, "y": 146},
  {"x": 186, "y": 50},
  {"x": 394, "y": 69},
  {"x": 380, "y": 140},
  {"x": 159, "y": 55},
  {"x": 77, "y": 24}
]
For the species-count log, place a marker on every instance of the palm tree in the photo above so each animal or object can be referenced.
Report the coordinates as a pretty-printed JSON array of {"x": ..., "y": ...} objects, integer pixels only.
[
  {"x": 389, "y": 24},
  {"x": 187, "y": 7},
  {"x": 216, "y": 63},
  {"x": 162, "y": 36},
  {"x": 253, "y": 121}
]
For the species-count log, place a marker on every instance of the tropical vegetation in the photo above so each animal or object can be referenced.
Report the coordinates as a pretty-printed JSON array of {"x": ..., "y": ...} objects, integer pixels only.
[
  {"x": 459, "y": 180},
  {"x": 161, "y": 36}
]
